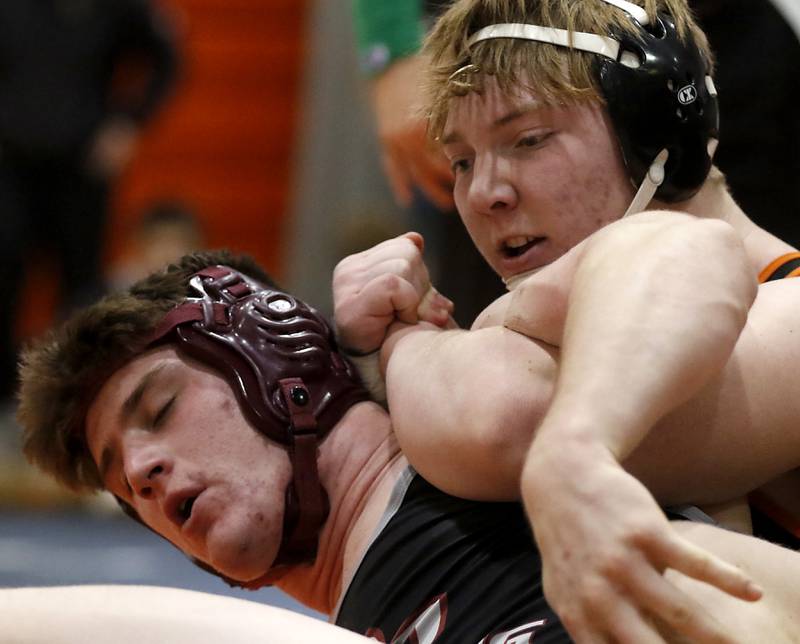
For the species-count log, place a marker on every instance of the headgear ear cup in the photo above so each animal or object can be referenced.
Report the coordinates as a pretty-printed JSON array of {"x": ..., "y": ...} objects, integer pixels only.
[
  {"x": 666, "y": 102},
  {"x": 281, "y": 360}
]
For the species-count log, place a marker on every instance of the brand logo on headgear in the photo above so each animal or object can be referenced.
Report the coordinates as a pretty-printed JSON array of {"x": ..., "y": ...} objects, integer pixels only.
[{"x": 687, "y": 95}]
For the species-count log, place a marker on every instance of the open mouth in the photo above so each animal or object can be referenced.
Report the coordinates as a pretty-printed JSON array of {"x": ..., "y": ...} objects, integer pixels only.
[
  {"x": 185, "y": 508},
  {"x": 517, "y": 246}
]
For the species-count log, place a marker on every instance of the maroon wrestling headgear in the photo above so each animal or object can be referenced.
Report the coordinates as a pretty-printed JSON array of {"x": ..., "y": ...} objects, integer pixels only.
[{"x": 280, "y": 358}]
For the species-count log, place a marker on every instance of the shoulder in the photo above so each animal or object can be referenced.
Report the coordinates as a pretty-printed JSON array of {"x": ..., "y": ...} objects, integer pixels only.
[{"x": 494, "y": 314}]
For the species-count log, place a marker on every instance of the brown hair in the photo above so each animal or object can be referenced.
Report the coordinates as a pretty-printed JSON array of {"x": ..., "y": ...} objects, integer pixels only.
[
  {"x": 557, "y": 75},
  {"x": 62, "y": 371}
]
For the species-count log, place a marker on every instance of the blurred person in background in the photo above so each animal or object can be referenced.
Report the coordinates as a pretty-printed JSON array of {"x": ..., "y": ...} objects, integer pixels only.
[
  {"x": 389, "y": 34},
  {"x": 78, "y": 79},
  {"x": 165, "y": 230}
]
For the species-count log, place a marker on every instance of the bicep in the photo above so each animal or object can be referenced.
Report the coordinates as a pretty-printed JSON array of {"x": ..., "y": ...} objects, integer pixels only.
[{"x": 465, "y": 406}]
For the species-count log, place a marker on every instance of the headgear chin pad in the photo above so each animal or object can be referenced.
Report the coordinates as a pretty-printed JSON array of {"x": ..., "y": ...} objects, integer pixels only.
[
  {"x": 280, "y": 358},
  {"x": 660, "y": 96}
]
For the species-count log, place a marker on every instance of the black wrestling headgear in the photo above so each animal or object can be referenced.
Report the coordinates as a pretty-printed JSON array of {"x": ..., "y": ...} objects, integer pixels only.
[
  {"x": 281, "y": 360},
  {"x": 667, "y": 102},
  {"x": 659, "y": 93}
]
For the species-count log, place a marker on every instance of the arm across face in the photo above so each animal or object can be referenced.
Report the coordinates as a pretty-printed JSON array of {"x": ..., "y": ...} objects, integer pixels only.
[
  {"x": 478, "y": 396},
  {"x": 641, "y": 336},
  {"x": 721, "y": 426},
  {"x": 638, "y": 338},
  {"x": 655, "y": 308},
  {"x": 631, "y": 291}
]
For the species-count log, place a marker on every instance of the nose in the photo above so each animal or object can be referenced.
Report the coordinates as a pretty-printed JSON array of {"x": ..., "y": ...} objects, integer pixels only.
[
  {"x": 147, "y": 469},
  {"x": 491, "y": 190}
]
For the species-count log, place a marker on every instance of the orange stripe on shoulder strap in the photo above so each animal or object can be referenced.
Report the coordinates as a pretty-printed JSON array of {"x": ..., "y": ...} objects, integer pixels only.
[
  {"x": 775, "y": 264},
  {"x": 778, "y": 500}
]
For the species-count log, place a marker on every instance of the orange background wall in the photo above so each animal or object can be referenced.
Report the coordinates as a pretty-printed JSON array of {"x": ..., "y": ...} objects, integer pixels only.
[{"x": 224, "y": 141}]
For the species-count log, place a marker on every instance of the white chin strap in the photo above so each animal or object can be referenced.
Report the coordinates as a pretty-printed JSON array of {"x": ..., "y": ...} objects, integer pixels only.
[{"x": 652, "y": 180}]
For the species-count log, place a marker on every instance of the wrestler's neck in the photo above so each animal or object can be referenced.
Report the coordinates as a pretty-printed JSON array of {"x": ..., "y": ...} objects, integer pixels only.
[
  {"x": 714, "y": 201},
  {"x": 359, "y": 465}
]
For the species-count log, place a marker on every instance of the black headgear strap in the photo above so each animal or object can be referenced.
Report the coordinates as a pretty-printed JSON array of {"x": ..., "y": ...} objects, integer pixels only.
[{"x": 280, "y": 358}]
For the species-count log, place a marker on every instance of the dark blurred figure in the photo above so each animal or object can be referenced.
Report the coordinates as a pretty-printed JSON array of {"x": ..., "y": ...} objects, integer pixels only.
[
  {"x": 758, "y": 67},
  {"x": 69, "y": 118}
]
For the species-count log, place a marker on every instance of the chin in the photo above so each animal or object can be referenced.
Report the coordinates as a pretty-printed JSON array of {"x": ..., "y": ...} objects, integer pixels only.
[
  {"x": 243, "y": 569},
  {"x": 244, "y": 556}
]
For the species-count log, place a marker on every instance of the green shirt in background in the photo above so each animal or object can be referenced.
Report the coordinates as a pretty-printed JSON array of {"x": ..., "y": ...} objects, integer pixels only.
[{"x": 387, "y": 30}]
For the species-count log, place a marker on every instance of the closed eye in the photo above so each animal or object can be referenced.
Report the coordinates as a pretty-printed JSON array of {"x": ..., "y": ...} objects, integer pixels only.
[
  {"x": 163, "y": 412},
  {"x": 528, "y": 141},
  {"x": 460, "y": 165}
]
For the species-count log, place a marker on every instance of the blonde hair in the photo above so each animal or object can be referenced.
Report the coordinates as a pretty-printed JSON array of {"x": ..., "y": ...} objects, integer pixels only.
[{"x": 558, "y": 75}]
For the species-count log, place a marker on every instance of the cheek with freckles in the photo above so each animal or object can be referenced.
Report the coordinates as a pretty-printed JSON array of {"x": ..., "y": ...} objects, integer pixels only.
[{"x": 588, "y": 206}]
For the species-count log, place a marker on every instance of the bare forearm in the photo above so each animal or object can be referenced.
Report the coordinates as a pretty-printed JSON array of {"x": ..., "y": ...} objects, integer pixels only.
[
  {"x": 641, "y": 337},
  {"x": 465, "y": 405},
  {"x": 450, "y": 394},
  {"x": 654, "y": 312}
]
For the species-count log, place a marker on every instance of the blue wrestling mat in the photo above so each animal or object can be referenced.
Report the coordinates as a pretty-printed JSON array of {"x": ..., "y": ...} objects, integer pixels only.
[{"x": 66, "y": 548}]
